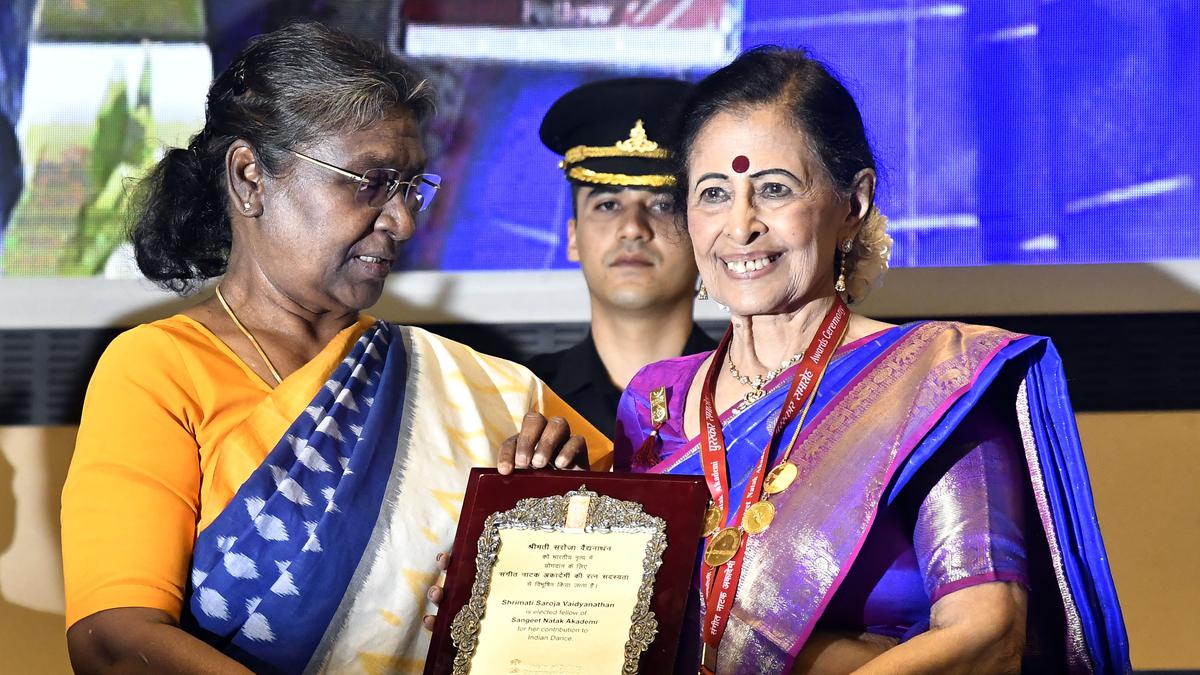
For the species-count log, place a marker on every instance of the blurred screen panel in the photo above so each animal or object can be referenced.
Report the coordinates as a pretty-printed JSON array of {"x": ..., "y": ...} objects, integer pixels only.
[{"x": 1006, "y": 131}]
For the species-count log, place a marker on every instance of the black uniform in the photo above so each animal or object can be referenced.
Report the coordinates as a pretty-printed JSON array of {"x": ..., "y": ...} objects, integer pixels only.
[
  {"x": 578, "y": 375},
  {"x": 615, "y": 134}
]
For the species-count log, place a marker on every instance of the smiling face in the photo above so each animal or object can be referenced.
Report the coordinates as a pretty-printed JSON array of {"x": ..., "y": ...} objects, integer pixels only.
[
  {"x": 314, "y": 241},
  {"x": 763, "y": 216},
  {"x": 628, "y": 243}
]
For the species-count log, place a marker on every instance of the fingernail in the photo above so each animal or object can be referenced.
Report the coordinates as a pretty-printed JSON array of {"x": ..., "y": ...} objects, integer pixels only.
[{"x": 539, "y": 461}]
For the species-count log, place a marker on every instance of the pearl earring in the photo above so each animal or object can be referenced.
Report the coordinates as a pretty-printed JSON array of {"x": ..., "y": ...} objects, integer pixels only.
[{"x": 246, "y": 207}]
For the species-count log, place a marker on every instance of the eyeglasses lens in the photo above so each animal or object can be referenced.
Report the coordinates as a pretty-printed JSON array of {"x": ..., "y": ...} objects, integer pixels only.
[
  {"x": 422, "y": 190},
  {"x": 378, "y": 187}
]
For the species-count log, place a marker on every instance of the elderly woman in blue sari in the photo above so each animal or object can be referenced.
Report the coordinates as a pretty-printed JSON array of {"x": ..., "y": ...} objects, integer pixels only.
[
  {"x": 885, "y": 498},
  {"x": 261, "y": 483}
]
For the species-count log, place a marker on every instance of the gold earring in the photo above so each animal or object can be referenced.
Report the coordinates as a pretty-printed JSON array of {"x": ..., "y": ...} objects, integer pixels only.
[
  {"x": 702, "y": 292},
  {"x": 840, "y": 285}
]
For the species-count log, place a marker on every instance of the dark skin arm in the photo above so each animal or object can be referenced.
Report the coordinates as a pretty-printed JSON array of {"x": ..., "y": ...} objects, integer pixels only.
[{"x": 141, "y": 640}]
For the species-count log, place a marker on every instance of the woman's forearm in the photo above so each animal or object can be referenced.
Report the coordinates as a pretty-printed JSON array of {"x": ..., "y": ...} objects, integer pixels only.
[
  {"x": 946, "y": 651},
  {"x": 839, "y": 652},
  {"x": 140, "y": 640},
  {"x": 979, "y": 629}
]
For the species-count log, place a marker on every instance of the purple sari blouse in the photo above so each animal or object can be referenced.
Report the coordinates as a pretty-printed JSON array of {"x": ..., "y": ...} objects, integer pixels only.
[{"x": 967, "y": 529}]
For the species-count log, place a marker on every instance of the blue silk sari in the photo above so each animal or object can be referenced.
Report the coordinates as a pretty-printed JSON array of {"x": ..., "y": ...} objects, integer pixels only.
[{"x": 884, "y": 410}]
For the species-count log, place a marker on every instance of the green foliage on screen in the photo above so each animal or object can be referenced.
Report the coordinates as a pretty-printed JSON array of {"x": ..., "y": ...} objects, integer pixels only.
[
  {"x": 120, "y": 153},
  {"x": 121, "y": 20}
]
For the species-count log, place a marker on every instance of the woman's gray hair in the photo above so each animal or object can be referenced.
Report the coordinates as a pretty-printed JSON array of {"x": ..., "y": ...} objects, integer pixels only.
[{"x": 285, "y": 90}]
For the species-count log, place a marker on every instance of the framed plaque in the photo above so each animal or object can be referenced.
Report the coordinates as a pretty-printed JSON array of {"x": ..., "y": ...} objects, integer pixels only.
[{"x": 568, "y": 572}]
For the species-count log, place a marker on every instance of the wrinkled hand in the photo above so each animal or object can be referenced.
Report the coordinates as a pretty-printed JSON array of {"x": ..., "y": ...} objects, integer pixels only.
[
  {"x": 541, "y": 441},
  {"x": 435, "y": 592}
]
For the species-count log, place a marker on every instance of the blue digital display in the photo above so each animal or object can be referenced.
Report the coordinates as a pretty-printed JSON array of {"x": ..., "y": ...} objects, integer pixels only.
[{"x": 1007, "y": 131}]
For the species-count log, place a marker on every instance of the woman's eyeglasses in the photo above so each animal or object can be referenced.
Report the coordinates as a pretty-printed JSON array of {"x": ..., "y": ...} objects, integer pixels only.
[{"x": 377, "y": 186}]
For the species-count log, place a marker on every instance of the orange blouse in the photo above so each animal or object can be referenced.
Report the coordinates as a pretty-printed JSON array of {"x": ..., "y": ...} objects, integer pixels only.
[{"x": 173, "y": 424}]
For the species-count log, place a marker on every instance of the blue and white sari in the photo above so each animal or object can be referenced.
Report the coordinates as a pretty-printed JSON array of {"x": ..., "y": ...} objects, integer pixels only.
[{"x": 322, "y": 559}]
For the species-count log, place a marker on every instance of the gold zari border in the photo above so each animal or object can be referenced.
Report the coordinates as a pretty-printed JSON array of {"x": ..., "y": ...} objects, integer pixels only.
[{"x": 601, "y": 178}]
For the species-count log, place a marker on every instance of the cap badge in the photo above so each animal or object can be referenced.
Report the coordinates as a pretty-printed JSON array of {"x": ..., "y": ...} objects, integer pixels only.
[
  {"x": 637, "y": 145},
  {"x": 637, "y": 141}
]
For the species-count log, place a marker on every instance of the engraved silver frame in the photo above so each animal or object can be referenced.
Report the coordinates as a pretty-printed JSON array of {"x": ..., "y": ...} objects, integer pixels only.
[{"x": 605, "y": 514}]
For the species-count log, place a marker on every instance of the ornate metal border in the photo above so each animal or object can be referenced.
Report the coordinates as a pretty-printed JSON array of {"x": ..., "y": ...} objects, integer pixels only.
[{"x": 605, "y": 514}]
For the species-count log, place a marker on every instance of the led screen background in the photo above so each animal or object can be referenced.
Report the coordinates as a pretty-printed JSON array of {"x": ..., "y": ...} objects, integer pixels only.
[{"x": 1007, "y": 131}]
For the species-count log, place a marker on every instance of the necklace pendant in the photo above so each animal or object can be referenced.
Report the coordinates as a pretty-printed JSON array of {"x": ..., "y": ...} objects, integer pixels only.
[{"x": 753, "y": 395}]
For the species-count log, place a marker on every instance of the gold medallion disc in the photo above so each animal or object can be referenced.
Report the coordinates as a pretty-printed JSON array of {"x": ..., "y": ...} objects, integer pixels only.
[
  {"x": 712, "y": 520},
  {"x": 723, "y": 546},
  {"x": 780, "y": 478},
  {"x": 758, "y": 517}
]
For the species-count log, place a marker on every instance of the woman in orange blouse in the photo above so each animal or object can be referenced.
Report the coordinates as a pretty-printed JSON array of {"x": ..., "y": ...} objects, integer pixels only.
[{"x": 262, "y": 482}]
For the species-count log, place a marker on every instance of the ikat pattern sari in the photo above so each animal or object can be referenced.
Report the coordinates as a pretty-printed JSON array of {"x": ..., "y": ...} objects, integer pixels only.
[{"x": 321, "y": 561}]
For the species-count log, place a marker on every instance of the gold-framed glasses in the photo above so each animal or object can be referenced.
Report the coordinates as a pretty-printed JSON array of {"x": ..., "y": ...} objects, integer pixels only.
[{"x": 377, "y": 186}]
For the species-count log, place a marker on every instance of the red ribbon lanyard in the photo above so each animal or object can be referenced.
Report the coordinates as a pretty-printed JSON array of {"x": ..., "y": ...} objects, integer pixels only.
[{"x": 716, "y": 472}]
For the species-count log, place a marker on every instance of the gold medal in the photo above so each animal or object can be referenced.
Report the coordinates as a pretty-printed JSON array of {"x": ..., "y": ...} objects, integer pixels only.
[
  {"x": 758, "y": 517},
  {"x": 723, "y": 546},
  {"x": 712, "y": 520},
  {"x": 780, "y": 478}
]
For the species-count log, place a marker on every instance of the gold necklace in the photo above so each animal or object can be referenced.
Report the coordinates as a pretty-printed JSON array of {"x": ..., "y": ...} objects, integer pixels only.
[
  {"x": 257, "y": 347},
  {"x": 756, "y": 392}
]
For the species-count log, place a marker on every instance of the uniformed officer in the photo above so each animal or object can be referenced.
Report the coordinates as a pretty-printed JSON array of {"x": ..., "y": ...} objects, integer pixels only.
[{"x": 614, "y": 136}]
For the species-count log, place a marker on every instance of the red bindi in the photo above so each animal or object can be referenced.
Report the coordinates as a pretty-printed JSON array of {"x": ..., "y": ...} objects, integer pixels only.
[{"x": 741, "y": 164}]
